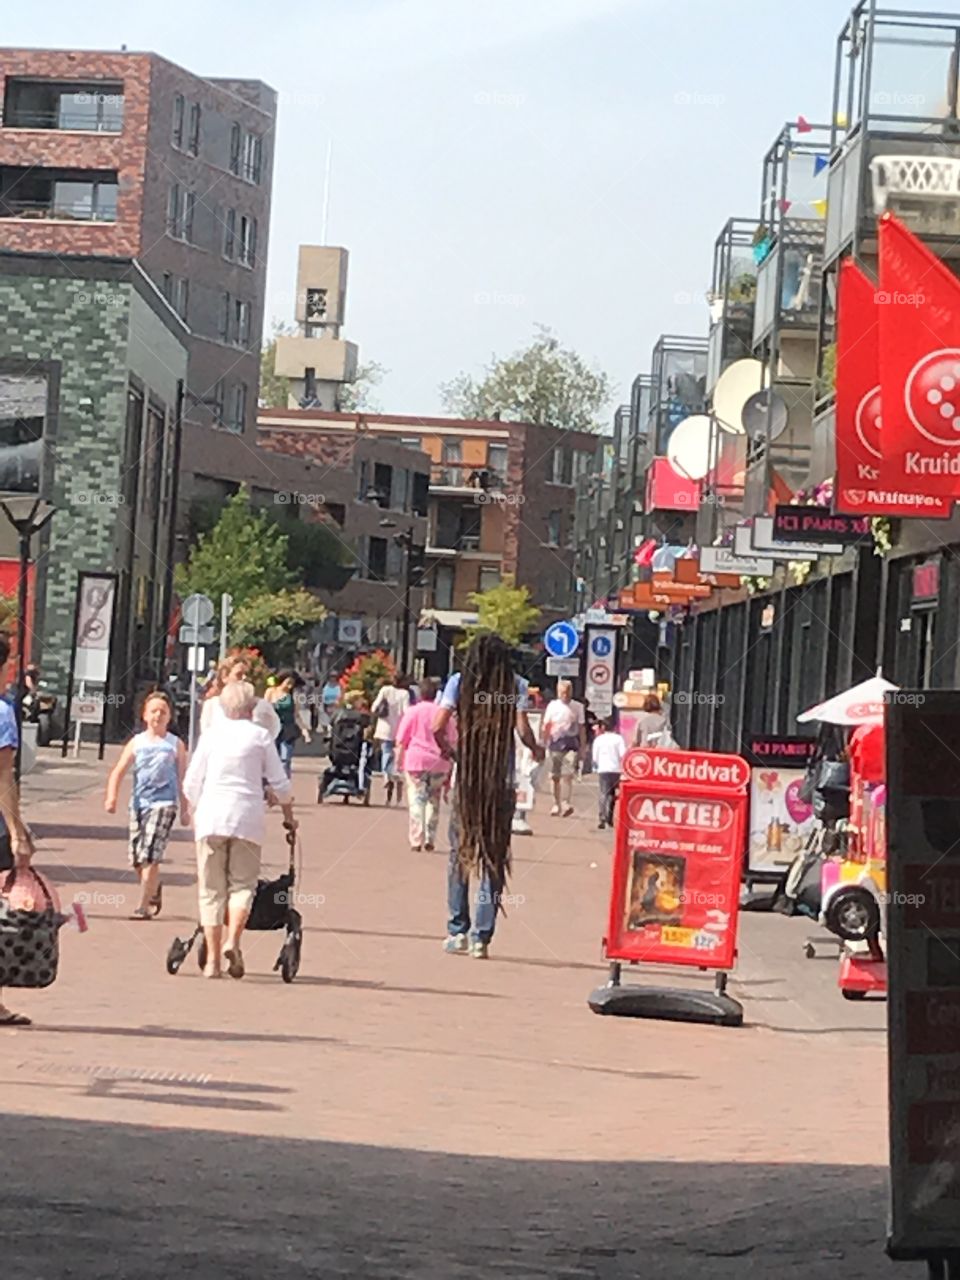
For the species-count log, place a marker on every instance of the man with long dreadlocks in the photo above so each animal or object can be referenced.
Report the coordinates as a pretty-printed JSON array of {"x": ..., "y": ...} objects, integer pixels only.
[{"x": 491, "y": 702}]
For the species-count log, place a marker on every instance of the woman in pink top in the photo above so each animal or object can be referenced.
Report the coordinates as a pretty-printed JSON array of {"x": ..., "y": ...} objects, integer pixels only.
[{"x": 426, "y": 768}]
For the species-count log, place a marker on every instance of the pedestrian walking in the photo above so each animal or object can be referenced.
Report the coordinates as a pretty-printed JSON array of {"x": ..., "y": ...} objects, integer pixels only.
[
  {"x": 159, "y": 761},
  {"x": 389, "y": 705},
  {"x": 564, "y": 735},
  {"x": 16, "y": 842},
  {"x": 224, "y": 786},
  {"x": 233, "y": 671},
  {"x": 607, "y": 754},
  {"x": 282, "y": 697},
  {"x": 490, "y": 701},
  {"x": 652, "y": 724},
  {"x": 424, "y": 765}
]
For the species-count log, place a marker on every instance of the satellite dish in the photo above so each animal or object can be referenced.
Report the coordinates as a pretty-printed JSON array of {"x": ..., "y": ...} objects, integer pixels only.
[
  {"x": 765, "y": 416},
  {"x": 689, "y": 446},
  {"x": 734, "y": 388}
]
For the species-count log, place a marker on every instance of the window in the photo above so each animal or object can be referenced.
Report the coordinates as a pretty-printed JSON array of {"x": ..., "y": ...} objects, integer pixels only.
[
  {"x": 488, "y": 579},
  {"x": 173, "y": 211},
  {"x": 178, "y": 106},
  {"x": 443, "y": 587},
  {"x": 67, "y": 195},
  {"x": 93, "y": 106},
  {"x": 226, "y": 310},
  {"x": 497, "y": 461},
  {"x": 377, "y": 559},
  {"x": 186, "y": 216},
  {"x": 218, "y": 401},
  {"x": 252, "y": 152},
  {"x": 452, "y": 452},
  {"x": 562, "y": 466},
  {"x": 401, "y": 485},
  {"x": 421, "y": 493},
  {"x": 167, "y": 286},
  {"x": 383, "y": 482},
  {"x": 229, "y": 233},
  {"x": 362, "y": 481},
  {"x": 193, "y": 145},
  {"x": 238, "y": 407},
  {"x": 411, "y": 442},
  {"x": 235, "y": 144},
  {"x": 182, "y": 298},
  {"x": 248, "y": 240},
  {"x": 241, "y": 329},
  {"x": 553, "y": 528},
  {"x": 315, "y": 309}
]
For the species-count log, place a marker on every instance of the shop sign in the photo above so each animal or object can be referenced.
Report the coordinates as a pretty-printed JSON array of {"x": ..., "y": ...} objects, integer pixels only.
[
  {"x": 923, "y": 958},
  {"x": 818, "y": 525},
  {"x": 679, "y": 846},
  {"x": 925, "y": 584},
  {"x": 725, "y": 560}
]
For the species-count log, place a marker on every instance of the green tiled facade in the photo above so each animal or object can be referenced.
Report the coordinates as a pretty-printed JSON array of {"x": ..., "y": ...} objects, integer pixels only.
[{"x": 97, "y": 337}]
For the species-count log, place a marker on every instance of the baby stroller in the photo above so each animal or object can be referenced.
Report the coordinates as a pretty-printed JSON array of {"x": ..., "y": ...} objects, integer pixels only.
[
  {"x": 271, "y": 909},
  {"x": 348, "y": 774}
]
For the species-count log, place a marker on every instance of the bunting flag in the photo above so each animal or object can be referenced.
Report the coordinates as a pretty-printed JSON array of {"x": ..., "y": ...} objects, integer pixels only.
[
  {"x": 820, "y": 206},
  {"x": 785, "y": 205},
  {"x": 819, "y": 164},
  {"x": 919, "y": 314},
  {"x": 803, "y": 125},
  {"x": 864, "y": 486},
  {"x": 840, "y": 120}
]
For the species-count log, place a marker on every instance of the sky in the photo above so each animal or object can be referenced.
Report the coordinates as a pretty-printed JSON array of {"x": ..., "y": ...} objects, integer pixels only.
[{"x": 499, "y": 164}]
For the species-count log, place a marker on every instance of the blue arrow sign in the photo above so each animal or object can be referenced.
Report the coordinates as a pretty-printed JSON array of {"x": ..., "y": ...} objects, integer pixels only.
[{"x": 561, "y": 640}]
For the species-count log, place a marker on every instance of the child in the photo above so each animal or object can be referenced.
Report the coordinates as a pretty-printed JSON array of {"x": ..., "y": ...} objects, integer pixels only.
[
  {"x": 159, "y": 762},
  {"x": 608, "y": 753}
]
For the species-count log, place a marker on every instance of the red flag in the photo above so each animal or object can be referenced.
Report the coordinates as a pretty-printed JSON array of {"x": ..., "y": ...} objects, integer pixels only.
[
  {"x": 866, "y": 482},
  {"x": 918, "y": 307}
]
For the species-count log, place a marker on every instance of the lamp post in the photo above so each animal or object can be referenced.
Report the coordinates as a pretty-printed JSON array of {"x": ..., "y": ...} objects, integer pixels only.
[
  {"x": 404, "y": 539},
  {"x": 28, "y": 515}
]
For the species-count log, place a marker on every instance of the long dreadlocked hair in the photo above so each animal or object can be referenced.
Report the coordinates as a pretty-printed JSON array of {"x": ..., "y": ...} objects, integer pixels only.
[{"x": 486, "y": 715}]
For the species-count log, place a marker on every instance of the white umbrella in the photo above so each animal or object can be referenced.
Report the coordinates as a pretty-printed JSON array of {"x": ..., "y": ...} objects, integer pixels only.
[{"x": 863, "y": 704}]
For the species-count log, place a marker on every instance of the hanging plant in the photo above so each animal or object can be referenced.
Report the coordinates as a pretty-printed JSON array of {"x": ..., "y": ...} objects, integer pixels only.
[
  {"x": 756, "y": 585},
  {"x": 882, "y": 531},
  {"x": 799, "y": 571}
]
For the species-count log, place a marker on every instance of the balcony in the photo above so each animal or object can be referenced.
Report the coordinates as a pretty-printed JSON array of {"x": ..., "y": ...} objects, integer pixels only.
[
  {"x": 63, "y": 195},
  {"x": 732, "y": 295},
  {"x": 789, "y": 281},
  {"x": 464, "y": 478},
  {"x": 88, "y": 106}
]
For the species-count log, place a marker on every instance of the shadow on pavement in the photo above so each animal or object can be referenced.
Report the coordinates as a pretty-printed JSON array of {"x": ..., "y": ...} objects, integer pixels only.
[
  {"x": 184, "y": 1033},
  {"x": 114, "y": 1201}
]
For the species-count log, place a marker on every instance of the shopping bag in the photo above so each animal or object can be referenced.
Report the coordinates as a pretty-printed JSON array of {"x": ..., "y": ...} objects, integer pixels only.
[{"x": 30, "y": 923}]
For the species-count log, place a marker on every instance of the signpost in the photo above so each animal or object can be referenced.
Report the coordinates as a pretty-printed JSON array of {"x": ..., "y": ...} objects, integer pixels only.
[
  {"x": 561, "y": 640},
  {"x": 923, "y": 962},
  {"x": 600, "y": 670},
  {"x": 675, "y": 892},
  {"x": 197, "y": 612},
  {"x": 93, "y": 624}
]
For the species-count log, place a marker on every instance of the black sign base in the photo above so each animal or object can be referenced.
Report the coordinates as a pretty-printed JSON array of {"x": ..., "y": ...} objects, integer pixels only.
[{"x": 670, "y": 1004}]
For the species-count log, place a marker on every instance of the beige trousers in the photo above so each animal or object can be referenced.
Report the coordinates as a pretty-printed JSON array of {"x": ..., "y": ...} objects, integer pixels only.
[{"x": 227, "y": 871}]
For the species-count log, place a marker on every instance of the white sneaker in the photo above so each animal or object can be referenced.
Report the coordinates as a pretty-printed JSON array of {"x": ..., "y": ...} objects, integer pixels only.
[
  {"x": 479, "y": 949},
  {"x": 457, "y": 943},
  {"x": 555, "y": 811}
]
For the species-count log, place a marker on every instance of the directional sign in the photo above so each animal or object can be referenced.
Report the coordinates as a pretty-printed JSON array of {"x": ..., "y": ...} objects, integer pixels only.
[
  {"x": 197, "y": 610},
  {"x": 561, "y": 640},
  {"x": 565, "y": 667},
  {"x": 196, "y": 635}
]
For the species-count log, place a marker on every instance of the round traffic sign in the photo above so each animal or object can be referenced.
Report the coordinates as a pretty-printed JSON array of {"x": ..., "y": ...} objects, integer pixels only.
[
  {"x": 197, "y": 610},
  {"x": 601, "y": 646},
  {"x": 561, "y": 640},
  {"x": 600, "y": 673}
]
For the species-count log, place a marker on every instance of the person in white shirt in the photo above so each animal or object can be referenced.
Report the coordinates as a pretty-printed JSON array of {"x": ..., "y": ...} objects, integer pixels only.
[
  {"x": 608, "y": 752},
  {"x": 232, "y": 671},
  {"x": 224, "y": 788},
  {"x": 563, "y": 732},
  {"x": 388, "y": 708}
]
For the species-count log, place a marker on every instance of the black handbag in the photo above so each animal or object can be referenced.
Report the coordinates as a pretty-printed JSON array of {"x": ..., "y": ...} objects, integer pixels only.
[{"x": 29, "y": 940}]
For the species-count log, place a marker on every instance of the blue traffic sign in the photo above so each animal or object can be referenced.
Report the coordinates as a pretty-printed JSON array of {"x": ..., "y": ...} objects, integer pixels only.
[
  {"x": 601, "y": 646},
  {"x": 561, "y": 640}
]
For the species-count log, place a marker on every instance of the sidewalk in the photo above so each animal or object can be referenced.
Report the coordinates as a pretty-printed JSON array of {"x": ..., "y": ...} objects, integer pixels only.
[{"x": 401, "y": 1112}]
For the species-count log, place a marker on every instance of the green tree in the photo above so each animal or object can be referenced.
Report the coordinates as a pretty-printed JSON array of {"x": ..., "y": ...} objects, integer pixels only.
[
  {"x": 504, "y": 609},
  {"x": 543, "y": 383},
  {"x": 357, "y": 395},
  {"x": 273, "y": 388},
  {"x": 244, "y": 554},
  {"x": 276, "y": 622},
  {"x": 316, "y": 555}
]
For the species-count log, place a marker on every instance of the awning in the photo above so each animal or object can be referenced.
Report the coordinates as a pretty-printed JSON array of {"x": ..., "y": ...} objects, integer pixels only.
[{"x": 456, "y": 619}]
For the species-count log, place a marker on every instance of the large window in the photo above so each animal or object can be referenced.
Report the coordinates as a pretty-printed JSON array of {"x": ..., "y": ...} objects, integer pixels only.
[
  {"x": 193, "y": 142},
  {"x": 248, "y": 241},
  {"x": 252, "y": 157},
  {"x": 497, "y": 461},
  {"x": 84, "y": 106},
  {"x": 23, "y": 409},
  {"x": 377, "y": 559},
  {"x": 238, "y": 407},
  {"x": 489, "y": 578},
  {"x": 62, "y": 194},
  {"x": 443, "y": 587},
  {"x": 229, "y": 233},
  {"x": 178, "y": 110},
  {"x": 241, "y": 328}
]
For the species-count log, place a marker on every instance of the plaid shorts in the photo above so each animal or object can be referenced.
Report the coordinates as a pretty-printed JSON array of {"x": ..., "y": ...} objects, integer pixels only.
[{"x": 149, "y": 832}]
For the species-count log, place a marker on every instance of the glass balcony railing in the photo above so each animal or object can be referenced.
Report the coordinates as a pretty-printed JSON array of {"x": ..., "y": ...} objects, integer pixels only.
[{"x": 789, "y": 281}]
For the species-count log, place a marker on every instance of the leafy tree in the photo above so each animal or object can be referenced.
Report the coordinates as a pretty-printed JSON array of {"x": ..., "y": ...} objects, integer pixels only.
[
  {"x": 273, "y": 388},
  {"x": 367, "y": 673},
  {"x": 356, "y": 396},
  {"x": 543, "y": 383},
  {"x": 244, "y": 554},
  {"x": 504, "y": 609},
  {"x": 316, "y": 556},
  {"x": 277, "y": 622}
]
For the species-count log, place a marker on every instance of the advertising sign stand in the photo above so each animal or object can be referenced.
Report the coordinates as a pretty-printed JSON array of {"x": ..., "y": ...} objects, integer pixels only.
[
  {"x": 923, "y": 963},
  {"x": 675, "y": 893},
  {"x": 91, "y": 655}
]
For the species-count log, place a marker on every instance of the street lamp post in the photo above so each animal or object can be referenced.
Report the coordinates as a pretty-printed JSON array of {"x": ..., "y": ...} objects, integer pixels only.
[
  {"x": 28, "y": 515},
  {"x": 404, "y": 539}
]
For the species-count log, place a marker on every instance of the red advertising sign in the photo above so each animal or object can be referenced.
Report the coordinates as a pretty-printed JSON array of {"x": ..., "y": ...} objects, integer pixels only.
[
  {"x": 866, "y": 483},
  {"x": 919, "y": 313},
  {"x": 679, "y": 848}
]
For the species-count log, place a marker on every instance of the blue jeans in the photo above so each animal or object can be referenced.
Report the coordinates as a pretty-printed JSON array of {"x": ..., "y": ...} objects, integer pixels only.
[
  {"x": 285, "y": 752},
  {"x": 458, "y": 894},
  {"x": 387, "y": 755}
]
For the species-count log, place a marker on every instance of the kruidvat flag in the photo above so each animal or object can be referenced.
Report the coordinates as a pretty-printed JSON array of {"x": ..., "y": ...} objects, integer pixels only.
[
  {"x": 918, "y": 307},
  {"x": 866, "y": 483}
]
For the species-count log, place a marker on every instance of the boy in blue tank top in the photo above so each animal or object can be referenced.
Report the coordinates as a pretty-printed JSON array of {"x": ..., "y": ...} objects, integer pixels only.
[{"x": 159, "y": 761}]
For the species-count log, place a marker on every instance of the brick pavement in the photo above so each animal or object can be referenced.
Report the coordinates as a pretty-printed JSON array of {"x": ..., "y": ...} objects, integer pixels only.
[{"x": 401, "y": 1112}]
